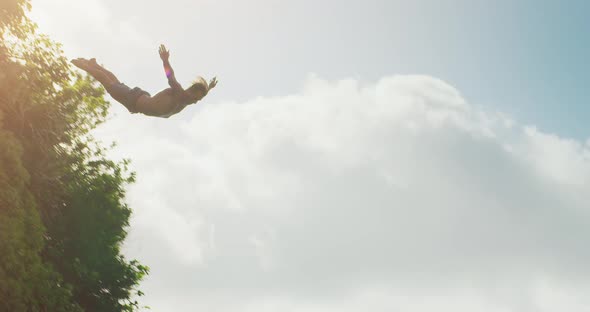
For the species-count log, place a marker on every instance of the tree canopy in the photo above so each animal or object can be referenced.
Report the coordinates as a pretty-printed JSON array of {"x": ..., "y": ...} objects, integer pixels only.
[{"x": 62, "y": 212}]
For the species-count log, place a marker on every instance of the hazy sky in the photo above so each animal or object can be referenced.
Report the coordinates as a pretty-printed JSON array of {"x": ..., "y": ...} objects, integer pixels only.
[
  {"x": 356, "y": 155},
  {"x": 526, "y": 58}
]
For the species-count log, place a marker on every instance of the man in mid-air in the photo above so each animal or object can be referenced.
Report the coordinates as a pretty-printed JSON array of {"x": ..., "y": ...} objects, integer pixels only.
[{"x": 164, "y": 104}]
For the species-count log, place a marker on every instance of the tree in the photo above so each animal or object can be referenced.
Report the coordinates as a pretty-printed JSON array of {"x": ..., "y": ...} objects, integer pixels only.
[
  {"x": 26, "y": 282},
  {"x": 62, "y": 214}
]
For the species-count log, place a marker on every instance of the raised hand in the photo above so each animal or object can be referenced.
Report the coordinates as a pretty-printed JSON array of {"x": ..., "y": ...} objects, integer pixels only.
[
  {"x": 164, "y": 54},
  {"x": 212, "y": 83}
]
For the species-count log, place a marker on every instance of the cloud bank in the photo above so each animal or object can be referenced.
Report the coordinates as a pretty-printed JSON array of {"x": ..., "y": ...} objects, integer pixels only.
[{"x": 392, "y": 196}]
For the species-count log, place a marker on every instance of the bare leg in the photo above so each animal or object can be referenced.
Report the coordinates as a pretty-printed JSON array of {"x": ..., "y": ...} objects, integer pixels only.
[
  {"x": 119, "y": 93},
  {"x": 104, "y": 70},
  {"x": 105, "y": 79}
]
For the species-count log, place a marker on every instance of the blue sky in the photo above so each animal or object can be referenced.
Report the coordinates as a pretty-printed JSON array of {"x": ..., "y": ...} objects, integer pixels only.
[{"x": 525, "y": 58}]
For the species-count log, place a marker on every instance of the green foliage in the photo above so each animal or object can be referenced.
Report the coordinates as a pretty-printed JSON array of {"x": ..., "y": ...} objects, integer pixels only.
[
  {"x": 62, "y": 214},
  {"x": 12, "y": 15},
  {"x": 26, "y": 283},
  {"x": 89, "y": 233}
]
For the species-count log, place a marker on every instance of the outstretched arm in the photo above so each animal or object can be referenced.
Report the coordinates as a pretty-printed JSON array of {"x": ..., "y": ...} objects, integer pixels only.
[
  {"x": 212, "y": 83},
  {"x": 165, "y": 55}
]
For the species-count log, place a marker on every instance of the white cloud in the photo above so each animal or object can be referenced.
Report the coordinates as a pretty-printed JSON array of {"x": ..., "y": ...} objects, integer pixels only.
[
  {"x": 394, "y": 196},
  {"x": 565, "y": 160}
]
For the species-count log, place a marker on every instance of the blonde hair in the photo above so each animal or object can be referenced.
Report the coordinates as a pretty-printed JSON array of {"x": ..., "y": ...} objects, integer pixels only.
[{"x": 200, "y": 84}]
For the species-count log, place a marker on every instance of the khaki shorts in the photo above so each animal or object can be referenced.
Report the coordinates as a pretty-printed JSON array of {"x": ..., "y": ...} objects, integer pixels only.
[{"x": 126, "y": 96}]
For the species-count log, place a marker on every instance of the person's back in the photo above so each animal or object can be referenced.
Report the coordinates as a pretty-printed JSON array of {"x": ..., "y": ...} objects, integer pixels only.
[
  {"x": 163, "y": 104},
  {"x": 171, "y": 101}
]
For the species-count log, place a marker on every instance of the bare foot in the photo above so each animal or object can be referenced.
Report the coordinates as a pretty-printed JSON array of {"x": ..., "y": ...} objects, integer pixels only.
[{"x": 80, "y": 63}]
